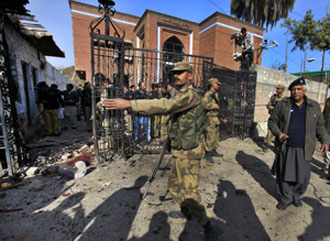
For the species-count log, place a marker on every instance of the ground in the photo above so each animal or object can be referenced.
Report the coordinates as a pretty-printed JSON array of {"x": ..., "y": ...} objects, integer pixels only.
[{"x": 106, "y": 203}]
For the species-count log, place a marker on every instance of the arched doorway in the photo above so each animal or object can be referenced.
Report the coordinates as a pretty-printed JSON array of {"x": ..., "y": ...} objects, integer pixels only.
[{"x": 173, "y": 52}]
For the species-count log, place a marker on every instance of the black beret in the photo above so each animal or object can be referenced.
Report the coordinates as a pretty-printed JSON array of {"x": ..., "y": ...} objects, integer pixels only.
[{"x": 299, "y": 81}]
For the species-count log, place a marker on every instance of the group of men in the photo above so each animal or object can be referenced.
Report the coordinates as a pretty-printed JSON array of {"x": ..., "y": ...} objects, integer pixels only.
[
  {"x": 295, "y": 121},
  {"x": 51, "y": 99},
  {"x": 155, "y": 126}
]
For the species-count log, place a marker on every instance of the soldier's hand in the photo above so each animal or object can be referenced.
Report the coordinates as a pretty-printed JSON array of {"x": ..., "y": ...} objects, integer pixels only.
[
  {"x": 217, "y": 106},
  {"x": 283, "y": 137},
  {"x": 115, "y": 104},
  {"x": 224, "y": 120},
  {"x": 324, "y": 148}
]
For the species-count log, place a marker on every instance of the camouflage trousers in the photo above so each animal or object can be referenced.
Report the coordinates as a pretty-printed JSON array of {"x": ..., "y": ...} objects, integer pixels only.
[
  {"x": 156, "y": 125},
  {"x": 211, "y": 137},
  {"x": 183, "y": 185}
]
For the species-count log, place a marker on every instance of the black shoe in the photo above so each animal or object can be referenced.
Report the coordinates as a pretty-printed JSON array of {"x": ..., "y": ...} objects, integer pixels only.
[
  {"x": 215, "y": 153},
  {"x": 57, "y": 134},
  {"x": 282, "y": 206},
  {"x": 185, "y": 211},
  {"x": 176, "y": 214},
  {"x": 297, "y": 203},
  {"x": 209, "y": 157},
  {"x": 211, "y": 234}
]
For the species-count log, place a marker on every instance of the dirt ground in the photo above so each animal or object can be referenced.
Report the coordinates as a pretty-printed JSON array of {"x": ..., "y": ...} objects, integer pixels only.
[{"x": 106, "y": 203}]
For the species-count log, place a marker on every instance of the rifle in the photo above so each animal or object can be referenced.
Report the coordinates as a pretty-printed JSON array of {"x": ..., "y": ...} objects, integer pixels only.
[
  {"x": 156, "y": 167},
  {"x": 218, "y": 103}
]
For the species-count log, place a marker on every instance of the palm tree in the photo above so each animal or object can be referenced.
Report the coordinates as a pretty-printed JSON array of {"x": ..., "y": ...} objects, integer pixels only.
[{"x": 261, "y": 12}]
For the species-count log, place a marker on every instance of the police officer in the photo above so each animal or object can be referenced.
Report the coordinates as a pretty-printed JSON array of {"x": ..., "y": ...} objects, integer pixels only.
[
  {"x": 212, "y": 112},
  {"x": 277, "y": 97},
  {"x": 187, "y": 112}
]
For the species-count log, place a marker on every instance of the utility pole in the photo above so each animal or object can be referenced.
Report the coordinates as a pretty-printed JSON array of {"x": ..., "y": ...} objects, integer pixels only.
[
  {"x": 286, "y": 53},
  {"x": 305, "y": 56}
]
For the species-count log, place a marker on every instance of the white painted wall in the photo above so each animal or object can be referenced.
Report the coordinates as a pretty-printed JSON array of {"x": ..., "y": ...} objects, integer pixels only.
[{"x": 21, "y": 51}]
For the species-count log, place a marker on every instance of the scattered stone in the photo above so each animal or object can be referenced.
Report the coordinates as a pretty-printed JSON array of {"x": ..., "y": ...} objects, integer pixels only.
[
  {"x": 84, "y": 148},
  {"x": 66, "y": 170},
  {"x": 49, "y": 170},
  {"x": 32, "y": 171},
  {"x": 81, "y": 169}
]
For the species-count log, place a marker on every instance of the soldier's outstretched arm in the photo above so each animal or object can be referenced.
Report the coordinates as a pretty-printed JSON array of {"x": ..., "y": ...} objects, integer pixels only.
[{"x": 115, "y": 104}]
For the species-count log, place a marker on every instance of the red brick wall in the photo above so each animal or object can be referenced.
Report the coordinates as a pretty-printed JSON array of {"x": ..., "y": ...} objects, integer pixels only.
[{"x": 214, "y": 42}]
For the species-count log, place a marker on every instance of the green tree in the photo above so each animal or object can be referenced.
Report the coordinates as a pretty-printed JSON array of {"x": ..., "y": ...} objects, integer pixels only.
[
  {"x": 261, "y": 12},
  {"x": 302, "y": 32},
  {"x": 321, "y": 39}
]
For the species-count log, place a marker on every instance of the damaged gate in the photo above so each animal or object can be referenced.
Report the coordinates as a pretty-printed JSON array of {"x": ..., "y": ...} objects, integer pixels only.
[
  {"x": 237, "y": 99},
  {"x": 115, "y": 64}
]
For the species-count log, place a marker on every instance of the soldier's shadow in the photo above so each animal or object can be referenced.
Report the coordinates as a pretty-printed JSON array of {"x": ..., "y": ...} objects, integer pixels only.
[
  {"x": 236, "y": 220},
  {"x": 159, "y": 229},
  {"x": 259, "y": 170},
  {"x": 319, "y": 228},
  {"x": 112, "y": 219}
]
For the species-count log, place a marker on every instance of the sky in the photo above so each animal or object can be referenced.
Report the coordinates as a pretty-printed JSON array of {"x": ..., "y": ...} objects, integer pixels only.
[{"x": 55, "y": 16}]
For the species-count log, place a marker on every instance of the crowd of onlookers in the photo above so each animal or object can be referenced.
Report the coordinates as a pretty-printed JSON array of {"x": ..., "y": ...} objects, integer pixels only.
[
  {"x": 61, "y": 109},
  {"x": 155, "y": 126}
]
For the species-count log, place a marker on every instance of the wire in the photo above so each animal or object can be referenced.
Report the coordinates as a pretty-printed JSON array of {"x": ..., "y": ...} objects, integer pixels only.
[{"x": 216, "y": 6}]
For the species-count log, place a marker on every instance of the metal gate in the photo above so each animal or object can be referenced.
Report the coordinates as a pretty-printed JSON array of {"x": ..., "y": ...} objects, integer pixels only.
[
  {"x": 115, "y": 64},
  {"x": 237, "y": 99},
  {"x": 11, "y": 144}
]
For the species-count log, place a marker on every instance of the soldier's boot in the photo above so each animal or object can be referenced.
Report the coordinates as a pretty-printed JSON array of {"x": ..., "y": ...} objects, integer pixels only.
[
  {"x": 265, "y": 147},
  {"x": 211, "y": 233},
  {"x": 184, "y": 213},
  {"x": 208, "y": 157},
  {"x": 215, "y": 153}
]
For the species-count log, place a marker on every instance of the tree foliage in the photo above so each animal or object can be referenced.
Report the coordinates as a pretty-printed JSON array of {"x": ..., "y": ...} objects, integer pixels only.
[
  {"x": 261, "y": 12},
  {"x": 321, "y": 39},
  {"x": 302, "y": 32}
]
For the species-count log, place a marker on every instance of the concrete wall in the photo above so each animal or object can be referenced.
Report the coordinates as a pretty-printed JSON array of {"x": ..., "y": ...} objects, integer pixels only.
[
  {"x": 267, "y": 79},
  {"x": 28, "y": 68},
  {"x": 53, "y": 76}
]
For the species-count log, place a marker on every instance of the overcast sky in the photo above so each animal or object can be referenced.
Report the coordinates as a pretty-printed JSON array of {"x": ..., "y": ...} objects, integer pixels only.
[{"x": 55, "y": 16}]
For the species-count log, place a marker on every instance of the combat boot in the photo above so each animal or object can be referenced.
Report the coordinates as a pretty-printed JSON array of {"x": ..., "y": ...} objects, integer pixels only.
[
  {"x": 208, "y": 157},
  {"x": 215, "y": 153}
]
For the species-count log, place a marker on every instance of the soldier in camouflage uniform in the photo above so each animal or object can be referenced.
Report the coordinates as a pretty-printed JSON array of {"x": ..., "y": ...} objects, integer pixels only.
[
  {"x": 213, "y": 122},
  {"x": 187, "y": 114},
  {"x": 278, "y": 96}
]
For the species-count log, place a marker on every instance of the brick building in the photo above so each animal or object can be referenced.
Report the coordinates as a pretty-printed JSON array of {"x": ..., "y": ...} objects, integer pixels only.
[{"x": 157, "y": 31}]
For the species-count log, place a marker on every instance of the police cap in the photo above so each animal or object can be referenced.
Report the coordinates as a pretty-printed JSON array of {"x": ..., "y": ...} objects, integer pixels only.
[{"x": 299, "y": 81}]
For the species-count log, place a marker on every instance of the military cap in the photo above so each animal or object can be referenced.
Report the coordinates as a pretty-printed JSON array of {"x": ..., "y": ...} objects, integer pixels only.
[
  {"x": 154, "y": 85},
  {"x": 182, "y": 66},
  {"x": 214, "y": 80},
  {"x": 280, "y": 87},
  {"x": 299, "y": 81}
]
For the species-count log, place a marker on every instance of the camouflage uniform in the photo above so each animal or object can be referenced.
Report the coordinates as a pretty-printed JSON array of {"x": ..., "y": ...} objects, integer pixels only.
[
  {"x": 187, "y": 112},
  {"x": 165, "y": 119},
  {"x": 213, "y": 122},
  {"x": 271, "y": 106}
]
